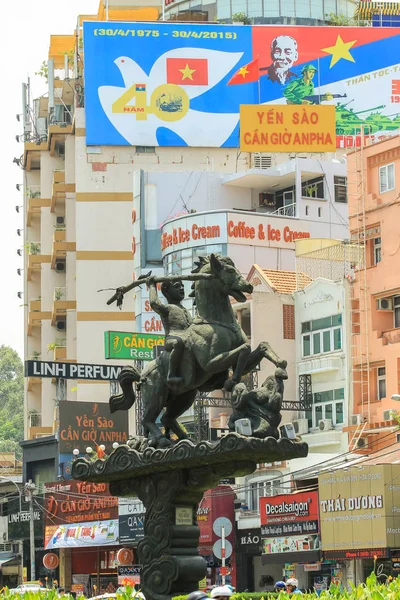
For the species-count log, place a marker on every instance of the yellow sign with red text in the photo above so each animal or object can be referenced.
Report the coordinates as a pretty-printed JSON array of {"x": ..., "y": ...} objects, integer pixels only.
[{"x": 287, "y": 128}]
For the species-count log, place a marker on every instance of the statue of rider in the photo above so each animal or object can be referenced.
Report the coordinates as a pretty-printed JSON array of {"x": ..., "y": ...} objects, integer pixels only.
[{"x": 175, "y": 319}]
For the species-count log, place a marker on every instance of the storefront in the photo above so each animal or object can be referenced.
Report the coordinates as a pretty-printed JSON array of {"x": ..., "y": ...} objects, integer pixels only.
[
  {"x": 360, "y": 520},
  {"x": 291, "y": 540},
  {"x": 216, "y": 504},
  {"x": 248, "y": 547}
]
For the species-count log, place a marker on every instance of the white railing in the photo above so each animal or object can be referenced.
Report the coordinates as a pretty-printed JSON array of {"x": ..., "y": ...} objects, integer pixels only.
[{"x": 286, "y": 211}]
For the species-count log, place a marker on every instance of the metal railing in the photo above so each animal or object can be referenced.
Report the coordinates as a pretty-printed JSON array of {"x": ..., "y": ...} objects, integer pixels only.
[
  {"x": 286, "y": 211},
  {"x": 35, "y": 419}
]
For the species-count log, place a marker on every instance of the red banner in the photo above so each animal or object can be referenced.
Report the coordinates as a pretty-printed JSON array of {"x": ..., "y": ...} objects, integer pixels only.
[{"x": 289, "y": 508}]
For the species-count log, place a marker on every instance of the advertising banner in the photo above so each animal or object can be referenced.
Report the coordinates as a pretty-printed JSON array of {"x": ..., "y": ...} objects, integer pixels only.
[
  {"x": 359, "y": 510},
  {"x": 174, "y": 84},
  {"x": 95, "y": 533},
  {"x": 287, "y": 128},
  {"x": 289, "y": 526},
  {"x": 78, "y": 501},
  {"x": 129, "y": 575},
  {"x": 136, "y": 346},
  {"x": 131, "y": 528},
  {"x": 89, "y": 423}
]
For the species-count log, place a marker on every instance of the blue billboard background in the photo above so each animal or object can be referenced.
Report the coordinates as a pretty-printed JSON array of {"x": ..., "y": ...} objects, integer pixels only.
[{"x": 166, "y": 84}]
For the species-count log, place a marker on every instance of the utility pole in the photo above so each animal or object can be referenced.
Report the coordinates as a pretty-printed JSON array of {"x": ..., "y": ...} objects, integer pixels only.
[{"x": 30, "y": 488}]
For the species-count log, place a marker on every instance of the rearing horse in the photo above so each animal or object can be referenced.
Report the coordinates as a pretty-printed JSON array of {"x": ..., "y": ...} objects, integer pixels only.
[{"x": 214, "y": 343}]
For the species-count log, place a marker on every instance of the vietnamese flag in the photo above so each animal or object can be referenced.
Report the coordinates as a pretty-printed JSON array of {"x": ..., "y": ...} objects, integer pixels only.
[
  {"x": 246, "y": 74},
  {"x": 187, "y": 71}
]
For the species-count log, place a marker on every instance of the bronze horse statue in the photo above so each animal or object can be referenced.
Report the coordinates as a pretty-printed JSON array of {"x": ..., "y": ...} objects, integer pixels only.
[{"x": 214, "y": 344}]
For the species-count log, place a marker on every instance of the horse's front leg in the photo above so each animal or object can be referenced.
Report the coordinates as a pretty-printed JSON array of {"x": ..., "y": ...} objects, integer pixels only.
[
  {"x": 237, "y": 357},
  {"x": 263, "y": 350}
]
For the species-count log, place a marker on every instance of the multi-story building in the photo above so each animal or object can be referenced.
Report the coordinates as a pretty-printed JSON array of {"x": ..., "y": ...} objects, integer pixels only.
[
  {"x": 295, "y": 12},
  {"x": 375, "y": 302}
]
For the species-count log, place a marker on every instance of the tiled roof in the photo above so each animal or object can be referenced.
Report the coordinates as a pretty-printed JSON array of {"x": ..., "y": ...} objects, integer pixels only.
[{"x": 284, "y": 282}]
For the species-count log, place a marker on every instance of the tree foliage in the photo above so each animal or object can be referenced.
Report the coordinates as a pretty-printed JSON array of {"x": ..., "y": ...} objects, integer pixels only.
[
  {"x": 11, "y": 400},
  {"x": 339, "y": 20}
]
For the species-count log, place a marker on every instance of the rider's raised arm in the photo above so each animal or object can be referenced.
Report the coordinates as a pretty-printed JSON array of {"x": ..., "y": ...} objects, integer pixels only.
[{"x": 155, "y": 302}]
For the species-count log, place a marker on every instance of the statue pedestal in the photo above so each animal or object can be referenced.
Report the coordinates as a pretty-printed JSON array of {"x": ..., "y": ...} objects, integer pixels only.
[{"x": 170, "y": 483}]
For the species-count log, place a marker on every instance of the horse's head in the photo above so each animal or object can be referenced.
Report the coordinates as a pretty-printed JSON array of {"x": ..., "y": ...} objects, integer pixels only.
[{"x": 224, "y": 270}]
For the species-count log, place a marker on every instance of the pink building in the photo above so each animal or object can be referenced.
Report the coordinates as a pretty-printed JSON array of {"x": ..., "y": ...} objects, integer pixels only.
[{"x": 374, "y": 211}]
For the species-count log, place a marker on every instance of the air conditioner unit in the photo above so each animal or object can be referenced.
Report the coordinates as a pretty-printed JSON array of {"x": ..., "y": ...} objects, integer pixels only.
[
  {"x": 61, "y": 325},
  {"x": 325, "y": 424},
  {"x": 60, "y": 221},
  {"x": 262, "y": 161},
  {"x": 266, "y": 199},
  {"x": 387, "y": 415},
  {"x": 362, "y": 442},
  {"x": 300, "y": 426},
  {"x": 60, "y": 266},
  {"x": 287, "y": 431},
  {"x": 357, "y": 419},
  {"x": 385, "y": 304}
]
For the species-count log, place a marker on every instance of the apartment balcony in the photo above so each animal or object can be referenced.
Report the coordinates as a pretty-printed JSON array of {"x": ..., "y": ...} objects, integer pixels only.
[
  {"x": 59, "y": 350},
  {"x": 34, "y": 382},
  {"x": 35, "y": 259},
  {"x": 60, "y": 247},
  {"x": 61, "y": 304},
  {"x": 391, "y": 336},
  {"x": 36, "y": 315},
  {"x": 34, "y": 203},
  {"x": 32, "y": 152},
  {"x": 320, "y": 365}
]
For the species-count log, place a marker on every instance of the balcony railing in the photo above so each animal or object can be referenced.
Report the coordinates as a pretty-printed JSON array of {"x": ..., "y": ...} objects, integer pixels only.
[
  {"x": 60, "y": 293},
  {"x": 35, "y": 419},
  {"x": 286, "y": 211},
  {"x": 33, "y": 191}
]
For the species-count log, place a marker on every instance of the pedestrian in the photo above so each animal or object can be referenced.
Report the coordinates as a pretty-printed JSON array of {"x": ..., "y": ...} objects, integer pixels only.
[
  {"x": 198, "y": 595},
  {"x": 292, "y": 586},
  {"x": 280, "y": 586},
  {"x": 221, "y": 592}
]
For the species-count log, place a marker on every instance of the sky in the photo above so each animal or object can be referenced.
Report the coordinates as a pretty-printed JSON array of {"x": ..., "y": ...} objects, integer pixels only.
[{"x": 24, "y": 44}]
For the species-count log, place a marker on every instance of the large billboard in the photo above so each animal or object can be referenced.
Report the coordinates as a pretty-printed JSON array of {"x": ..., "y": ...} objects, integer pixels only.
[
  {"x": 359, "y": 511},
  {"x": 170, "y": 84}
]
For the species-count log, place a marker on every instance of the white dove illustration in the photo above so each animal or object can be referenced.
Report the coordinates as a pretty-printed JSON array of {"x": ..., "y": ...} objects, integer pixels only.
[{"x": 196, "y": 128}]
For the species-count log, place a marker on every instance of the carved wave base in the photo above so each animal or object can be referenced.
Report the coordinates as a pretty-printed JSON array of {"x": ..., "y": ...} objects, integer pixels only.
[{"x": 170, "y": 483}]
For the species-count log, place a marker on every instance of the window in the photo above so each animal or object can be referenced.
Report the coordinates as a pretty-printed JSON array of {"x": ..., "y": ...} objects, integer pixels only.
[
  {"x": 313, "y": 188},
  {"x": 377, "y": 250},
  {"x": 386, "y": 178},
  {"x": 396, "y": 309},
  {"x": 381, "y": 380},
  {"x": 261, "y": 489},
  {"x": 328, "y": 404},
  {"x": 145, "y": 149},
  {"x": 322, "y": 335},
  {"x": 340, "y": 185}
]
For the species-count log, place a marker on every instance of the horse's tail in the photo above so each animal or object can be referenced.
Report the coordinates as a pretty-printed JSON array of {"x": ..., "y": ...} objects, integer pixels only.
[{"x": 124, "y": 401}]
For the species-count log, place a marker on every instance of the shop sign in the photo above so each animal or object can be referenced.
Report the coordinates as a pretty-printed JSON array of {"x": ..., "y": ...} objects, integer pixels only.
[
  {"x": 39, "y": 368},
  {"x": 78, "y": 501},
  {"x": 194, "y": 230},
  {"x": 312, "y": 567},
  {"x": 19, "y": 522},
  {"x": 291, "y": 128},
  {"x": 95, "y": 533},
  {"x": 216, "y": 503},
  {"x": 249, "y": 540},
  {"x": 299, "y": 543},
  {"x": 125, "y": 556},
  {"x": 84, "y": 424},
  {"x": 288, "y": 514},
  {"x": 131, "y": 528},
  {"x": 134, "y": 346},
  {"x": 356, "y": 554},
  {"x": 129, "y": 575},
  {"x": 359, "y": 509},
  {"x": 50, "y": 561}
]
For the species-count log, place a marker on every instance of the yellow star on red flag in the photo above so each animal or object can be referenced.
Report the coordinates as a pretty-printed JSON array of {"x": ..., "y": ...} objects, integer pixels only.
[{"x": 340, "y": 50}]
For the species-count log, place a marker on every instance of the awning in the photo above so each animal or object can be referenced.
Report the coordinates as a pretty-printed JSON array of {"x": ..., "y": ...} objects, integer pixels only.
[{"x": 7, "y": 557}]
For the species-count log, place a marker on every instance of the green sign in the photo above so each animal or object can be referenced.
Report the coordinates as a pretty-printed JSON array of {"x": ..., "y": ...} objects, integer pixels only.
[{"x": 134, "y": 346}]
